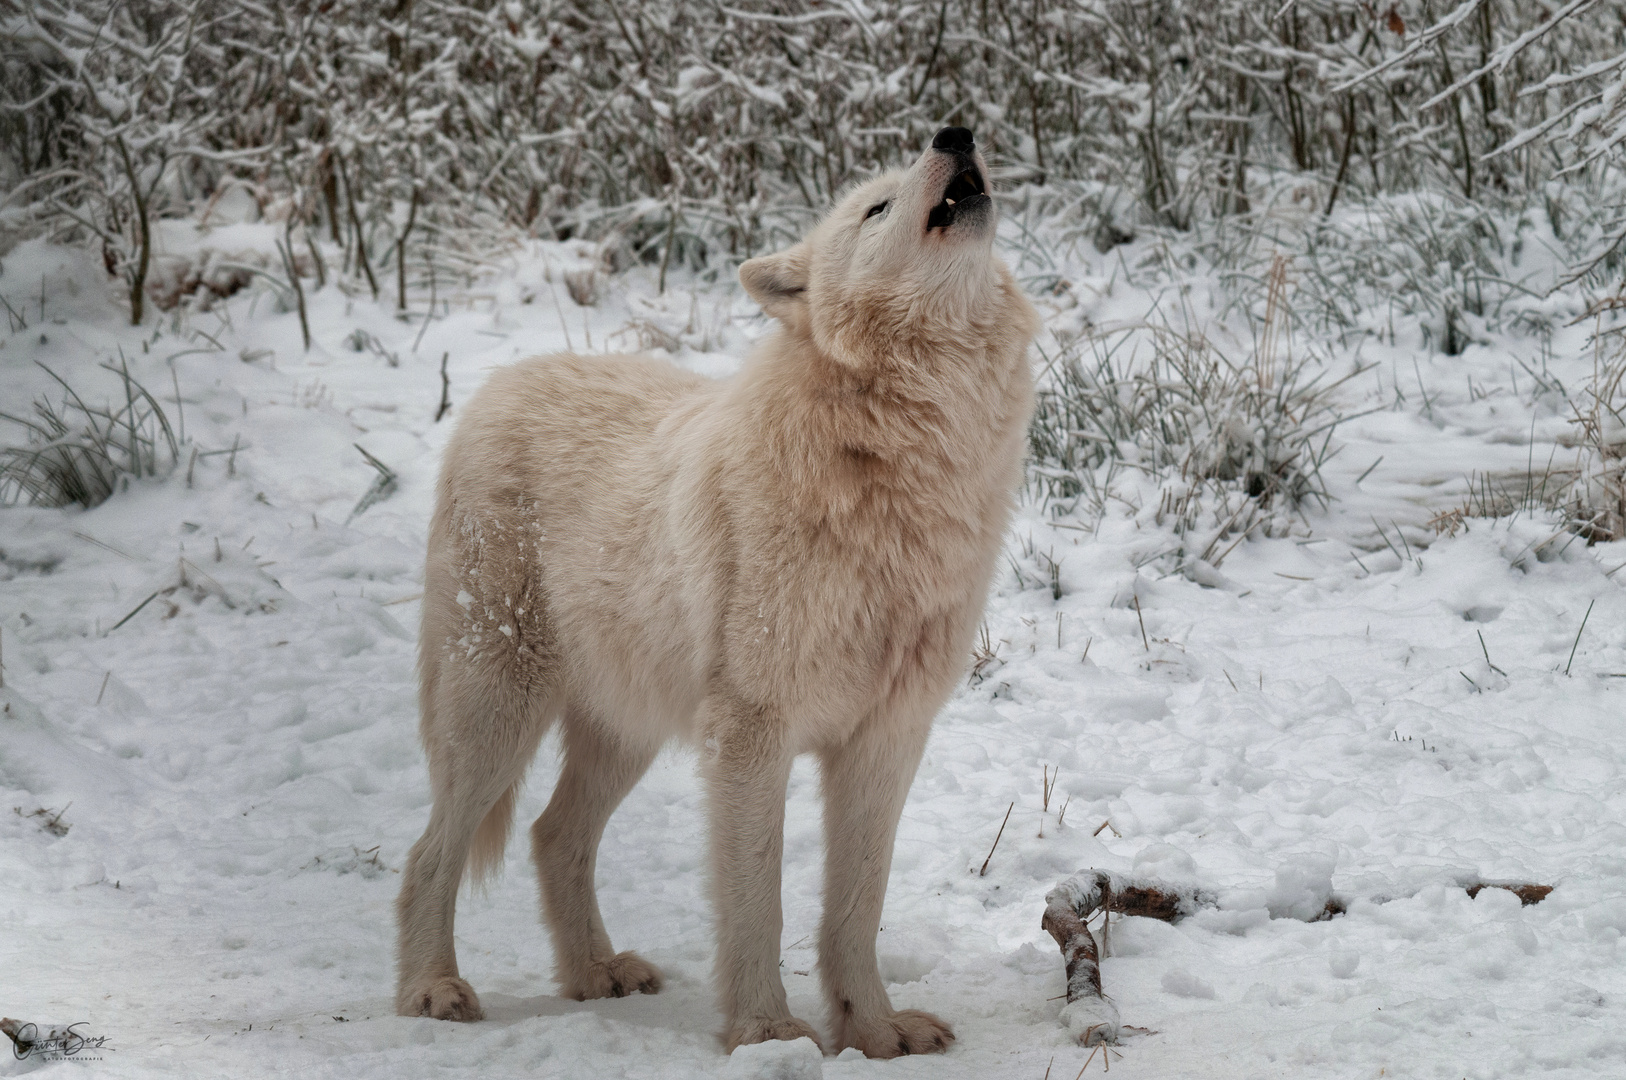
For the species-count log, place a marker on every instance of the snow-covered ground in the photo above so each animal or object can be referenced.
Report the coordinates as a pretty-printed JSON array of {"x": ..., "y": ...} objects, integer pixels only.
[{"x": 238, "y": 774}]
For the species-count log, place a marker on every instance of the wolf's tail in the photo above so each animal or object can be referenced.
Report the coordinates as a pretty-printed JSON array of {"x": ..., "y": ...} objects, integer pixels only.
[{"x": 490, "y": 839}]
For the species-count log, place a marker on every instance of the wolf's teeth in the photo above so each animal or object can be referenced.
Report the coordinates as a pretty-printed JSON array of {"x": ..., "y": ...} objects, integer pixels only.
[{"x": 948, "y": 200}]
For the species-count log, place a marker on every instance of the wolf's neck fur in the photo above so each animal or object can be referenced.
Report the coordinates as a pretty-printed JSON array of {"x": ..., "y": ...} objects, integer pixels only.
[{"x": 927, "y": 424}]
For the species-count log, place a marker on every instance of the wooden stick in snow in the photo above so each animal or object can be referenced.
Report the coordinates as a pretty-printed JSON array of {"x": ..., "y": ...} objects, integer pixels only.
[{"x": 1089, "y": 1013}]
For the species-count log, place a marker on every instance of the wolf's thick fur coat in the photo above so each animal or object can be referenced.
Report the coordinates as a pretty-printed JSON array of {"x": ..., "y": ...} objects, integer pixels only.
[{"x": 789, "y": 560}]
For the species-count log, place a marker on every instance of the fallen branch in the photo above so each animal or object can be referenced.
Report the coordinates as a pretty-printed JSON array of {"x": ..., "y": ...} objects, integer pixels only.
[
  {"x": 1527, "y": 894},
  {"x": 1089, "y": 1013}
]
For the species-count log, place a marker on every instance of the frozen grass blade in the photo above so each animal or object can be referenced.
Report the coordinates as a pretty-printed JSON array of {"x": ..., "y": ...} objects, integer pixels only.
[
  {"x": 382, "y": 487},
  {"x": 1578, "y": 634},
  {"x": 984, "y": 871}
]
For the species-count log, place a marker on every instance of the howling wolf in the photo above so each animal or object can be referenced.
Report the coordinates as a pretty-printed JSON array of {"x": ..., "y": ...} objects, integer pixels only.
[{"x": 788, "y": 561}]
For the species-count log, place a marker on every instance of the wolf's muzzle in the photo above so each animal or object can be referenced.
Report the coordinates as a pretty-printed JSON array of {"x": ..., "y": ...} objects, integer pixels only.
[{"x": 967, "y": 192}]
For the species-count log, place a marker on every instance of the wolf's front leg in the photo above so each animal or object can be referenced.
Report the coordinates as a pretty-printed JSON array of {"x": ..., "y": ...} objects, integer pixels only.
[
  {"x": 747, "y": 770},
  {"x": 865, "y": 782}
]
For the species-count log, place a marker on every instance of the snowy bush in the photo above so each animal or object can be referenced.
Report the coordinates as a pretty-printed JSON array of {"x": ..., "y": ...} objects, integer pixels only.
[{"x": 415, "y": 136}]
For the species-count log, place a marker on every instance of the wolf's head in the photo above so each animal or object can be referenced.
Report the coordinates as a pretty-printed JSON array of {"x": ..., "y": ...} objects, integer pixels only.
[{"x": 903, "y": 261}]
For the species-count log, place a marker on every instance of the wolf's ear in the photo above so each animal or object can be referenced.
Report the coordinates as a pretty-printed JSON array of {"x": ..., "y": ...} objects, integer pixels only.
[{"x": 778, "y": 282}]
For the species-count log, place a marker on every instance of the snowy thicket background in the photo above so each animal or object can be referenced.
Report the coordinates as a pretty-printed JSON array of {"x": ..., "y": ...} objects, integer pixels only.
[{"x": 1312, "y": 598}]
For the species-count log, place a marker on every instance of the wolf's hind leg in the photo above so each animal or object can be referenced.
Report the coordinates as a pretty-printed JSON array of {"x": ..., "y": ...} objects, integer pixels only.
[
  {"x": 480, "y": 736},
  {"x": 598, "y": 772},
  {"x": 865, "y": 783}
]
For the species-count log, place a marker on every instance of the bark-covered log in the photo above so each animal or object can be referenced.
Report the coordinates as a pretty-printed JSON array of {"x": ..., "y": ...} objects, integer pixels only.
[
  {"x": 1089, "y": 1013},
  {"x": 1527, "y": 894}
]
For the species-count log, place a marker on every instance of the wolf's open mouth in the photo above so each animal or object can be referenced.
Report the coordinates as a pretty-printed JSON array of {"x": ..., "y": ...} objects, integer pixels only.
[{"x": 964, "y": 191}]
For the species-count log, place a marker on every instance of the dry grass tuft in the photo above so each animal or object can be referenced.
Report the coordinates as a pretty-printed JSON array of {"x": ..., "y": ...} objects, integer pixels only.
[
  {"x": 1594, "y": 501},
  {"x": 49, "y": 820},
  {"x": 80, "y": 454},
  {"x": 1190, "y": 417}
]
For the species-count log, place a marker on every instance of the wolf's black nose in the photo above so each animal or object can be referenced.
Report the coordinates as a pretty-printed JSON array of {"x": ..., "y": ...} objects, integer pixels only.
[{"x": 956, "y": 140}]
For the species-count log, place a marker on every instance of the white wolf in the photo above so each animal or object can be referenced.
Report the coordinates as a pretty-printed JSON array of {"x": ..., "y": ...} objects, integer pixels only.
[{"x": 790, "y": 560}]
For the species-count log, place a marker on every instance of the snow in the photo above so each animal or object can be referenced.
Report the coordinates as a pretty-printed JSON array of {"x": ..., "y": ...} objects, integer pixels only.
[
  {"x": 798, "y": 1059},
  {"x": 238, "y": 769}
]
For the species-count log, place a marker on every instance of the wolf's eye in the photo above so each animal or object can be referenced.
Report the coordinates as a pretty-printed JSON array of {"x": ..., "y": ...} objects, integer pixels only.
[{"x": 876, "y": 209}]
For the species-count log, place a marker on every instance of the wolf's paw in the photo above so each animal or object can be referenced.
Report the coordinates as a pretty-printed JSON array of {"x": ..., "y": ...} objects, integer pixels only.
[
  {"x": 908, "y": 1031},
  {"x": 616, "y": 977},
  {"x": 756, "y": 1029},
  {"x": 445, "y": 998}
]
